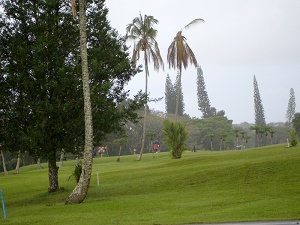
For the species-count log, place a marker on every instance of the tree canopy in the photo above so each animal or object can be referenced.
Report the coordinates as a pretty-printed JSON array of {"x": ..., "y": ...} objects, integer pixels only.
[{"x": 41, "y": 78}]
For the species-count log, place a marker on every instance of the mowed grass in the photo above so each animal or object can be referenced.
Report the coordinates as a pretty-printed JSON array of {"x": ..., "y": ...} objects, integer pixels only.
[{"x": 202, "y": 187}]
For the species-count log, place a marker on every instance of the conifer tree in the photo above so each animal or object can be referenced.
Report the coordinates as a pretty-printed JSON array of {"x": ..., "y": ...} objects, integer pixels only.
[
  {"x": 170, "y": 96},
  {"x": 290, "y": 112},
  {"x": 260, "y": 120},
  {"x": 203, "y": 100},
  {"x": 177, "y": 85},
  {"x": 258, "y": 107}
]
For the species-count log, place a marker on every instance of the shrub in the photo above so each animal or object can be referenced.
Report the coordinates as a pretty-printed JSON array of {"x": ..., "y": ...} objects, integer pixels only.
[
  {"x": 294, "y": 141},
  {"x": 175, "y": 137},
  {"x": 77, "y": 172}
]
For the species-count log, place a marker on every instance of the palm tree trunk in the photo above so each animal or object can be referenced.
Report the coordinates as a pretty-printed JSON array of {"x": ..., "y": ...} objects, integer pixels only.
[
  {"x": 146, "y": 107},
  {"x": 18, "y": 163},
  {"x": 3, "y": 163},
  {"x": 178, "y": 94},
  {"x": 80, "y": 191}
]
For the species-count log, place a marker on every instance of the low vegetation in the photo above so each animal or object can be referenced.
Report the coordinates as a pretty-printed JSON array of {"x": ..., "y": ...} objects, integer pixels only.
[{"x": 202, "y": 187}]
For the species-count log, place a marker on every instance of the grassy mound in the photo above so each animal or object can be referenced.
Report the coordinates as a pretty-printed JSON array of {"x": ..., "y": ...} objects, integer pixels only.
[{"x": 202, "y": 187}]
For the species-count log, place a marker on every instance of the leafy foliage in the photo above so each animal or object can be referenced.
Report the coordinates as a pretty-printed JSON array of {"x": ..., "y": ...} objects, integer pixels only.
[
  {"x": 175, "y": 136},
  {"x": 41, "y": 77},
  {"x": 294, "y": 141}
]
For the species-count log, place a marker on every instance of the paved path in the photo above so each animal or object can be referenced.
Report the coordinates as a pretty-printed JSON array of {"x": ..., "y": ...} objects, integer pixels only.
[{"x": 294, "y": 222}]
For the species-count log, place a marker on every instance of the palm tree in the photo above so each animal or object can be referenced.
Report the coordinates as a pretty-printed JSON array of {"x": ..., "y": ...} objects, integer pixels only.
[
  {"x": 211, "y": 136},
  {"x": 142, "y": 32},
  {"x": 256, "y": 128},
  {"x": 180, "y": 55},
  {"x": 272, "y": 132},
  {"x": 80, "y": 191}
]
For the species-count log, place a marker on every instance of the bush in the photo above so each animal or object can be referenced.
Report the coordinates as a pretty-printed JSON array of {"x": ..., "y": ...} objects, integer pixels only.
[
  {"x": 77, "y": 172},
  {"x": 294, "y": 141},
  {"x": 176, "y": 135}
]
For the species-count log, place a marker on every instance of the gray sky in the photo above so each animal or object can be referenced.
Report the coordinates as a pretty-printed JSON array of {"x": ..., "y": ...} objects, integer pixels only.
[{"x": 238, "y": 40}]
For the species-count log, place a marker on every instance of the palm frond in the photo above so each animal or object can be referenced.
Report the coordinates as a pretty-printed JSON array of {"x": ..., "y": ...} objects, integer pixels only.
[{"x": 193, "y": 22}]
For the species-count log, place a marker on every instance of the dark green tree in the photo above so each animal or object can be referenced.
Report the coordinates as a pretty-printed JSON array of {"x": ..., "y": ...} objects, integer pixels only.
[
  {"x": 290, "y": 112},
  {"x": 203, "y": 100},
  {"x": 41, "y": 70}
]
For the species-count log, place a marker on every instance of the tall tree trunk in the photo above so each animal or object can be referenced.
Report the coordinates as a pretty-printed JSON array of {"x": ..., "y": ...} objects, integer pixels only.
[
  {"x": 178, "y": 94},
  {"x": 146, "y": 107},
  {"x": 52, "y": 173},
  {"x": 18, "y": 163},
  {"x": 4, "y": 165},
  {"x": 80, "y": 191}
]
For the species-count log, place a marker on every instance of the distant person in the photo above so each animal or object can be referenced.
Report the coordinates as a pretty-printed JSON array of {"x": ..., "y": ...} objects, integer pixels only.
[{"x": 156, "y": 147}]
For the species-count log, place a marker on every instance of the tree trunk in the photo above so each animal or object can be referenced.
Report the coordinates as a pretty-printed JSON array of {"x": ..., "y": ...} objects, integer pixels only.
[
  {"x": 178, "y": 94},
  {"x": 4, "y": 165},
  {"x": 80, "y": 191},
  {"x": 52, "y": 173},
  {"x": 146, "y": 107},
  {"x": 18, "y": 163}
]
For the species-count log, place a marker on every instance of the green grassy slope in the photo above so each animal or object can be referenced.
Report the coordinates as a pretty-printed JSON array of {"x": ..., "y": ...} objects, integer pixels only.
[{"x": 202, "y": 187}]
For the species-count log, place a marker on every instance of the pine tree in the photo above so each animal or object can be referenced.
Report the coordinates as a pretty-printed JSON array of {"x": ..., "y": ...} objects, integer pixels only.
[
  {"x": 291, "y": 108},
  {"x": 170, "y": 96},
  {"x": 177, "y": 85},
  {"x": 203, "y": 100},
  {"x": 258, "y": 107}
]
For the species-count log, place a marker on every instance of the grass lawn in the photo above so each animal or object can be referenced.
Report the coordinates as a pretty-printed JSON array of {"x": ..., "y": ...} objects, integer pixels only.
[{"x": 201, "y": 187}]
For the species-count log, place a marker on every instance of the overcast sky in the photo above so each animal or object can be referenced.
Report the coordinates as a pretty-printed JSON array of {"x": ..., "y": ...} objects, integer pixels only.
[{"x": 238, "y": 40}]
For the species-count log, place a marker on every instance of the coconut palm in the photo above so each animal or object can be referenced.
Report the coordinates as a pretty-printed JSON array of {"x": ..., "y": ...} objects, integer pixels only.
[
  {"x": 180, "y": 55},
  {"x": 143, "y": 34}
]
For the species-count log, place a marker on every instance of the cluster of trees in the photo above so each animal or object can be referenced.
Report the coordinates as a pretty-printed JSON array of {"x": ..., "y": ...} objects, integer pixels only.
[
  {"x": 61, "y": 92},
  {"x": 42, "y": 103}
]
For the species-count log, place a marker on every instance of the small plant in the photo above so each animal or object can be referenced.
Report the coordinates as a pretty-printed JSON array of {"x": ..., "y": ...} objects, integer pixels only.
[
  {"x": 77, "y": 172},
  {"x": 294, "y": 141},
  {"x": 176, "y": 135}
]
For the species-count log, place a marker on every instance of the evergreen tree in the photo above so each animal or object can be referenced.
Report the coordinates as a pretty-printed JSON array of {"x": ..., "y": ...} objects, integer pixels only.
[
  {"x": 290, "y": 112},
  {"x": 41, "y": 76},
  {"x": 170, "y": 96},
  {"x": 259, "y": 111},
  {"x": 296, "y": 123},
  {"x": 258, "y": 107},
  {"x": 203, "y": 100},
  {"x": 177, "y": 85}
]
